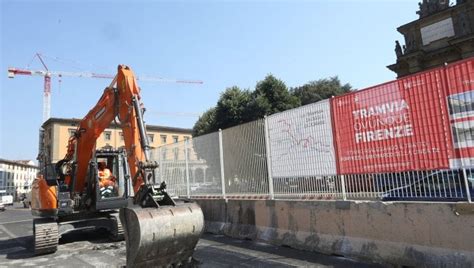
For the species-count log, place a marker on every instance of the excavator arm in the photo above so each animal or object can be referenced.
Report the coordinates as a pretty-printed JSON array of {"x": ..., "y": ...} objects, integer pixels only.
[{"x": 117, "y": 103}]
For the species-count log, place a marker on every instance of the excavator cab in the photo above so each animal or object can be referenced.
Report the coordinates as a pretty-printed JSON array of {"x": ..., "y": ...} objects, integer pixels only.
[{"x": 110, "y": 179}]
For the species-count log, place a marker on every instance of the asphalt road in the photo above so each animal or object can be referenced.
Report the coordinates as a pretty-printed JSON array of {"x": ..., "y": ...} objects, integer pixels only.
[{"x": 93, "y": 249}]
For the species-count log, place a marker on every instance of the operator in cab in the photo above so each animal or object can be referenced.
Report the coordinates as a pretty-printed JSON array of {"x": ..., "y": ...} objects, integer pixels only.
[{"x": 106, "y": 181}]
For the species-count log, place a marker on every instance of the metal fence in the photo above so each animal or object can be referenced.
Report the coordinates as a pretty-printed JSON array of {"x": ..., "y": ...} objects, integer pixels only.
[
  {"x": 195, "y": 168},
  {"x": 173, "y": 168},
  {"x": 191, "y": 167},
  {"x": 245, "y": 160},
  {"x": 435, "y": 185},
  {"x": 273, "y": 158},
  {"x": 205, "y": 165}
]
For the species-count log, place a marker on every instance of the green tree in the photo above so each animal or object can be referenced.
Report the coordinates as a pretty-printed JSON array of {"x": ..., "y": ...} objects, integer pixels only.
[
  {"x": 319, "y": 90},
  {"x": 206, "y": 123},
  {"x": 236, "y": 106},
  {"x": 231, "y": 107},
  {"x": 270, "y": 96}
]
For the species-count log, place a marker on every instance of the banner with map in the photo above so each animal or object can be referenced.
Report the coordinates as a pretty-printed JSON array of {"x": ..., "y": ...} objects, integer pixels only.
[{"x": 301, "y": 141}]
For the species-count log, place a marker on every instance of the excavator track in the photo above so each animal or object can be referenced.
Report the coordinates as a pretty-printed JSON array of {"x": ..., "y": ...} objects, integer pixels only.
[
  {"x": 117, "y": 233},
  {"x": 46, "y": 236}
]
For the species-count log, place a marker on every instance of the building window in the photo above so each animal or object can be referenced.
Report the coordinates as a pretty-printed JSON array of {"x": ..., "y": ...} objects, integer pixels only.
[
  {"x": 186, "y": 138},
  {"x": 151, "y": 138},
  {"x": 121, "y": 136},
  {"x": 163, "y": 139},
  {"x": 71, "y": 131},
  {"x": 107, "y": 135},
  {"x": 175, "y": 139}
]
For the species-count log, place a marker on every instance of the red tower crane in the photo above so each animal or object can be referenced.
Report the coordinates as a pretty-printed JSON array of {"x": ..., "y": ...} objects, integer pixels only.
[{"x": 47, "y": 74}]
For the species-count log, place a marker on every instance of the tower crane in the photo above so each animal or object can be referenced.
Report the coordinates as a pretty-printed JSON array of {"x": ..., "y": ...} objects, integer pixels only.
[{"x": 47, "y": 74}]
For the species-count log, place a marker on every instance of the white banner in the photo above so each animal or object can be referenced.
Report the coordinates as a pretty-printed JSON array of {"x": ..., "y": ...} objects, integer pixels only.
[{"x": 301, "y": 141}]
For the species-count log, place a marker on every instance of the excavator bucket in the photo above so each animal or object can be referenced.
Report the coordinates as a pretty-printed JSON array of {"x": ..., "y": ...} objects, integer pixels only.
[{"x": 164, "y": 236}]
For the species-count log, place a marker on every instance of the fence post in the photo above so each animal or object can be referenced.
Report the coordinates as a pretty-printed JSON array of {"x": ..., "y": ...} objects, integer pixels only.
[
  {"x": 466, "y": 182},
  {"x": 343, "y": 186},
  {"x": 221, "y": 158},
  {"x": 269, "y": 163},
  {"x": 188, "y": 186},
  {"x": 161, "y": 163}
]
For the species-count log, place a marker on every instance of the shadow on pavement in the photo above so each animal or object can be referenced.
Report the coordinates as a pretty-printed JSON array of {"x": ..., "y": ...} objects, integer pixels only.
[
  {"x": 287, "y": 252},
  {"x": 22, "y": 247},
  {"x": 93, "y": 236},
  {"x": 17, "y": 248}
]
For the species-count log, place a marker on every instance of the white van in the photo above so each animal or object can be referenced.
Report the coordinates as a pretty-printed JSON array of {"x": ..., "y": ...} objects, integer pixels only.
[{"x": 7, "y": 199}]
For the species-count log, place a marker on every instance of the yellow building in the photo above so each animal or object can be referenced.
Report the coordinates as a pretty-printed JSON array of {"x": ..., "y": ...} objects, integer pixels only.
[{"x": 58, "y": 130}]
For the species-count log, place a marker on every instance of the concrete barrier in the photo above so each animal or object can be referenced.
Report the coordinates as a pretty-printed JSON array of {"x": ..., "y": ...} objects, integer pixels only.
[{"x": 408, "y": 234}]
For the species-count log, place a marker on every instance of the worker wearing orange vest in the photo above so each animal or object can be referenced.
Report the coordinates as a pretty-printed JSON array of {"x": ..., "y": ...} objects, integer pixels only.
[{"x": 106, "y": 179}]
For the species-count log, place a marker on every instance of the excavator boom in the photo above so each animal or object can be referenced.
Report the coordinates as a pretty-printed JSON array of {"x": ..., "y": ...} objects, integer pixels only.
[{"x": 115, "y": 104}]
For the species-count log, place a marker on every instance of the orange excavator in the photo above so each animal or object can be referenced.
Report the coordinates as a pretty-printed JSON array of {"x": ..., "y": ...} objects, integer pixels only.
[{"x": 69, "y": 195}]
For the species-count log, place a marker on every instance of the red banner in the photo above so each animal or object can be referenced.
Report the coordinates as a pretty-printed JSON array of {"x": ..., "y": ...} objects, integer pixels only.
[
  {"x": 460, "y": 98},
  {"x": 397, "y": 126}
]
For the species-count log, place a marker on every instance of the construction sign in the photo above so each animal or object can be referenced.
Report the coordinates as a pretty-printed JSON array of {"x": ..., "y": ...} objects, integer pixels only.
[
  {"x": 460, "y": 98},
  {"x": 397, "y": 126},
  {"x": 301, "y": 141}
]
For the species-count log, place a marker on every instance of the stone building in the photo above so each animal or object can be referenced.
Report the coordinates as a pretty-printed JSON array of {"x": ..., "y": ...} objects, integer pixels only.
[
  {"x": 442, "y": 34},
  {"x": 16, "y": 177},
  {"x": 58, "y": 130},
  {"x": 175, "y": 158}
]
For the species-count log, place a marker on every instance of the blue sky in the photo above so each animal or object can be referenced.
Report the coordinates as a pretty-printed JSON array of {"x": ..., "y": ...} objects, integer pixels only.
[{"x": 221, "y": 43}]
